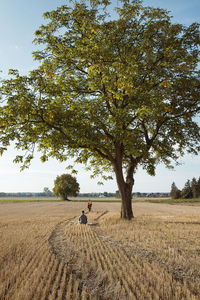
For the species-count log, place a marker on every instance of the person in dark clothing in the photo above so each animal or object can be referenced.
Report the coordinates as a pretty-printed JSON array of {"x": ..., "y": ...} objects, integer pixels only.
[{"x": 82, "y": 219}]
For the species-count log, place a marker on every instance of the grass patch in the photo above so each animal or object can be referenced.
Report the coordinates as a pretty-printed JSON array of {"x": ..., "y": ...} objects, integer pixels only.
[
  {"x": 97, "y": 200},
  {"x": 12, "y": 200},
  {"x": 100, "y": 200},
  {"x": 174, "y": 201}
]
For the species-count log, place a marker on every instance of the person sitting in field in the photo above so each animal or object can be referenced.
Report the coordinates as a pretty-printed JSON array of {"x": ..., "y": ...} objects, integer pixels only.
[{"x": 82, "y": 219}]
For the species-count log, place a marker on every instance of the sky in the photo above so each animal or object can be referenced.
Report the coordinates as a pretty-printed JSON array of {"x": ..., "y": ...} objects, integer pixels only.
[{"x": 18, "y": 22}]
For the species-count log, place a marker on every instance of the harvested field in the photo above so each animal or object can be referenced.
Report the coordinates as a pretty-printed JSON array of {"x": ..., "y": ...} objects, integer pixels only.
[{"x": 44, "y": 256}]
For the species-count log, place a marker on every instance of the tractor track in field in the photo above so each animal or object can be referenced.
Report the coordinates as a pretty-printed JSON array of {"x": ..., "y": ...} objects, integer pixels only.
[
  {"x": 178, "y": 272},
  {"x": 64, "y": 250}
]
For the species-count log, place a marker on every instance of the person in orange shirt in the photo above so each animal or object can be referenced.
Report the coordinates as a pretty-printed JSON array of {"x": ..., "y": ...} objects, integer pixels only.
[{"x": 89, "y": 205}]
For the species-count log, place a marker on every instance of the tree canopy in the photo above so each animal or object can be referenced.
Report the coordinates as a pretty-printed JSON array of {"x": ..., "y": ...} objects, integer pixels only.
[
  {"x": 65, "y": 185},
  {"x": 175, "y": 193},
  {"x": 111, "y": 93}
]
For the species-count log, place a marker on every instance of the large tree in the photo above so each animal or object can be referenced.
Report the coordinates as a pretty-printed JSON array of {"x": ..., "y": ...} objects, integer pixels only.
[{"x": 114, "y": 93}]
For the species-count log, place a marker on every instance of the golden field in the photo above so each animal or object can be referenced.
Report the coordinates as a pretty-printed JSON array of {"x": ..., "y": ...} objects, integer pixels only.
[{"x": 44, "y": 256}]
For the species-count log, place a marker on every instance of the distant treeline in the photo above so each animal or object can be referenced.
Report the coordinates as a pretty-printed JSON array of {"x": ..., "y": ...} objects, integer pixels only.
[
  {"x": 84, "y": 195},
  {"x": 190, "y": 190},
  {"x": 151, "y": 195},
  {"x": 25, "y": 195},
  {"x": 117, "y": 195}
]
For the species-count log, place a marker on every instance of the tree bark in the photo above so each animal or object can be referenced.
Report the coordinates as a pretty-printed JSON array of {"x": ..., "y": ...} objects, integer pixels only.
[
  {"x": 125, "y": 189},
  {"x": 126, "y": 206}
]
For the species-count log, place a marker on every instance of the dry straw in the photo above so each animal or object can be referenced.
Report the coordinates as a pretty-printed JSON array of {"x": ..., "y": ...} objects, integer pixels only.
[{"x": 148, "y": 258}]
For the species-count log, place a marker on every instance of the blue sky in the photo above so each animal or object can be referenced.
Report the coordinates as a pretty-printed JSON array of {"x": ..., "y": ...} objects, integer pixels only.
[{"x": 18, "y": 22}]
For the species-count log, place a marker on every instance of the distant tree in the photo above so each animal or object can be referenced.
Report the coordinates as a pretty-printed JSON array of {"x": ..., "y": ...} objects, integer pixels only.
[
  {"x": 137, "y": 195},
  {"x": 198, "y": 187},
  {"x": 194, "y": 187},
  {"x": 65, "y": 185},
  {"x": 117, "y": 194},
  {"x": 175, "y": 193},
  {"x": 47, "y": 192},
  {"x": 186, "y": 192}
]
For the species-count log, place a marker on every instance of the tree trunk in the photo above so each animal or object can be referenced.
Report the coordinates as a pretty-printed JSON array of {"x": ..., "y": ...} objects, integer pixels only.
[
  {"x": 126, "y": 207},
  {"x": 125, "y": 189}
]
